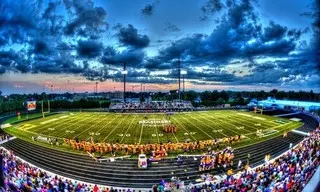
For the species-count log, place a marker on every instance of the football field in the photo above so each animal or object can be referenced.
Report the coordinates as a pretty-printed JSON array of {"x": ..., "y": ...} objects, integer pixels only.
[{"x": 148, "y": 128}]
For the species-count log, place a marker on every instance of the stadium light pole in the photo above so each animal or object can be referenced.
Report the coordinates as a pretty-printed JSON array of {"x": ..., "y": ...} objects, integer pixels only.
[
  {"x": 124, "y": 72},
  {"x": 179, "y": 73},
  {"x": 183, "y": 72}
]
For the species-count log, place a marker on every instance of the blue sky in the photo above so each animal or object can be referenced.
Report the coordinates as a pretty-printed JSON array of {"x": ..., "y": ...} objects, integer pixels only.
[{"x": 222, "y": 44}]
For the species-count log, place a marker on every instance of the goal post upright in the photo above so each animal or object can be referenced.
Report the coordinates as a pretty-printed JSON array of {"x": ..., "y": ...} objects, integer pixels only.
[
  {"x": 48, "y": 106},
  {"x": 44, "y": 112},
  {"x": 42, "y": 109}
]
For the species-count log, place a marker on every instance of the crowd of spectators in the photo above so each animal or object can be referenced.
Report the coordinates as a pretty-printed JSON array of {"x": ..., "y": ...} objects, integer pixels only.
[
  {"x": 153, "y": 105},
  {"x": 290, "y": 172},
  {"x": 20, "y": 176},
  {"x": 212, "y": 159}
]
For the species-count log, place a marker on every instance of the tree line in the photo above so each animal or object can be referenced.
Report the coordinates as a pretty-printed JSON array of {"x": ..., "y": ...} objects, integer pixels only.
[{"x": 16, "y": 102}]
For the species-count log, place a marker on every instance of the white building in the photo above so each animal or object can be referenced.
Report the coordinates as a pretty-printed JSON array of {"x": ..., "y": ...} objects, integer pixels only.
[{"x": 285, "y": 104}]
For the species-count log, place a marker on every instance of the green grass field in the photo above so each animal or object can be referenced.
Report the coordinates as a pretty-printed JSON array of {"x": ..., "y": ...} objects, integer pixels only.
[{"x": 128, "y": 128}]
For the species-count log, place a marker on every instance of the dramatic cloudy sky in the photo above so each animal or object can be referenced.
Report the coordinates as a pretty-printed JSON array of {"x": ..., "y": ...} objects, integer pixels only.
[{"x": 222, "y": 44}]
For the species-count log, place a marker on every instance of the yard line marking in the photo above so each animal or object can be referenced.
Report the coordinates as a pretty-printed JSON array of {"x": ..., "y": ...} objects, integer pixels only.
[
  {"x": 79, "y": 125},
  {"x": 220, "y": 126},
  {"x": 141, "y": 133},
  {"x": 61, "y": 124},
  {"x": 248, "y": 119},
  {"x": 229, "y": 118},
  {"x": 267, "y": 122},
  {"x": 281, "y": 125},
  {"x": 94, "y": 118},
  {"x": 43, "y": 128},
  {"x": 250, "y": 125},
  {"x": 209, "y": 126},
  {"x": 105, "y": 125},
  {"x": 115, "y": 128},
  {"x": 184, "y": 128},
  {"x": 156, "y": 129},
  {"x": 94, "y": 125},
  {"x": 58, "y": 126},
  {"x": 175, "y": 137},
  {"x": 128, "y": 128},
  {"x": 197, "y": 127},
  {"x": 237, "y": 133}
]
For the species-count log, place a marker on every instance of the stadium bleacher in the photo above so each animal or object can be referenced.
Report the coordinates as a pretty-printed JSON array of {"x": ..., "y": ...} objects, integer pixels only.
[{"x": 153, "y": 105}]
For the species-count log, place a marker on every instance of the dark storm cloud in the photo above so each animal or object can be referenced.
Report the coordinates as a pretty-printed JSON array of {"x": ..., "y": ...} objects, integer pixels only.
[
  {"x": 89, "y": 49},
  {"x": 212, "y": 6},
  {"x": 132, "y": 57},
  {"x": 89, "y": 20},
  {"x": 18, "y": 20},
  {"x": 157, "y": 64},
  {"x": 50, "y": 9},
  {"x": 209, "y": 8},
  {"x": 3, "y": 41},
  {"x": 169, "y": 27},
  {"x": 63, "y": 46},
  {"x": 129, "y": 36},
  {"x": 275, "y": 32},
  {"x": 314, "y": 50},
  {"x": 10, "y": 60},
  {"x": 40, "y": 47},
  {"x": 64, "y": 63},
  {"x": 277, "y": 48},
  {"x": 240, "y": 36},
  {"x": 148, "y": 9}
]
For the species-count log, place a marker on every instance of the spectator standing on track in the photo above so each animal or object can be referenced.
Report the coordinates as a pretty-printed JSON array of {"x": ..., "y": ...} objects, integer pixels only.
[
  {"x": 179, "y": 160},
  {"x": 239, "y": 164}
]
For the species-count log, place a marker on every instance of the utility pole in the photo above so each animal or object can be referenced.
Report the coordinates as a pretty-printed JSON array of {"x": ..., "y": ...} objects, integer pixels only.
[{"x": 51, "y": 92}]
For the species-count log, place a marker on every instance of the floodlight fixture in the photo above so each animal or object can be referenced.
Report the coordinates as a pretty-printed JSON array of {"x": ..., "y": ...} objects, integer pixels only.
[{"x": 183, "y": 72}]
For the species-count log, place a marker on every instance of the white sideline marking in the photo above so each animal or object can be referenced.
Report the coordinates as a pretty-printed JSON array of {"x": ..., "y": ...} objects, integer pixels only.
[
  {"x": 115, "y": 158},
  {"x": 11, "y": 138},
  {"x": 5, "y": 125},
  {"x": 49, "y": 121},
  {"x": 283, "y": 115},
  {"x": 62, "y": 117},
  {"x": 295, "y": 119},
  {"x": 300, "y": 132}
]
